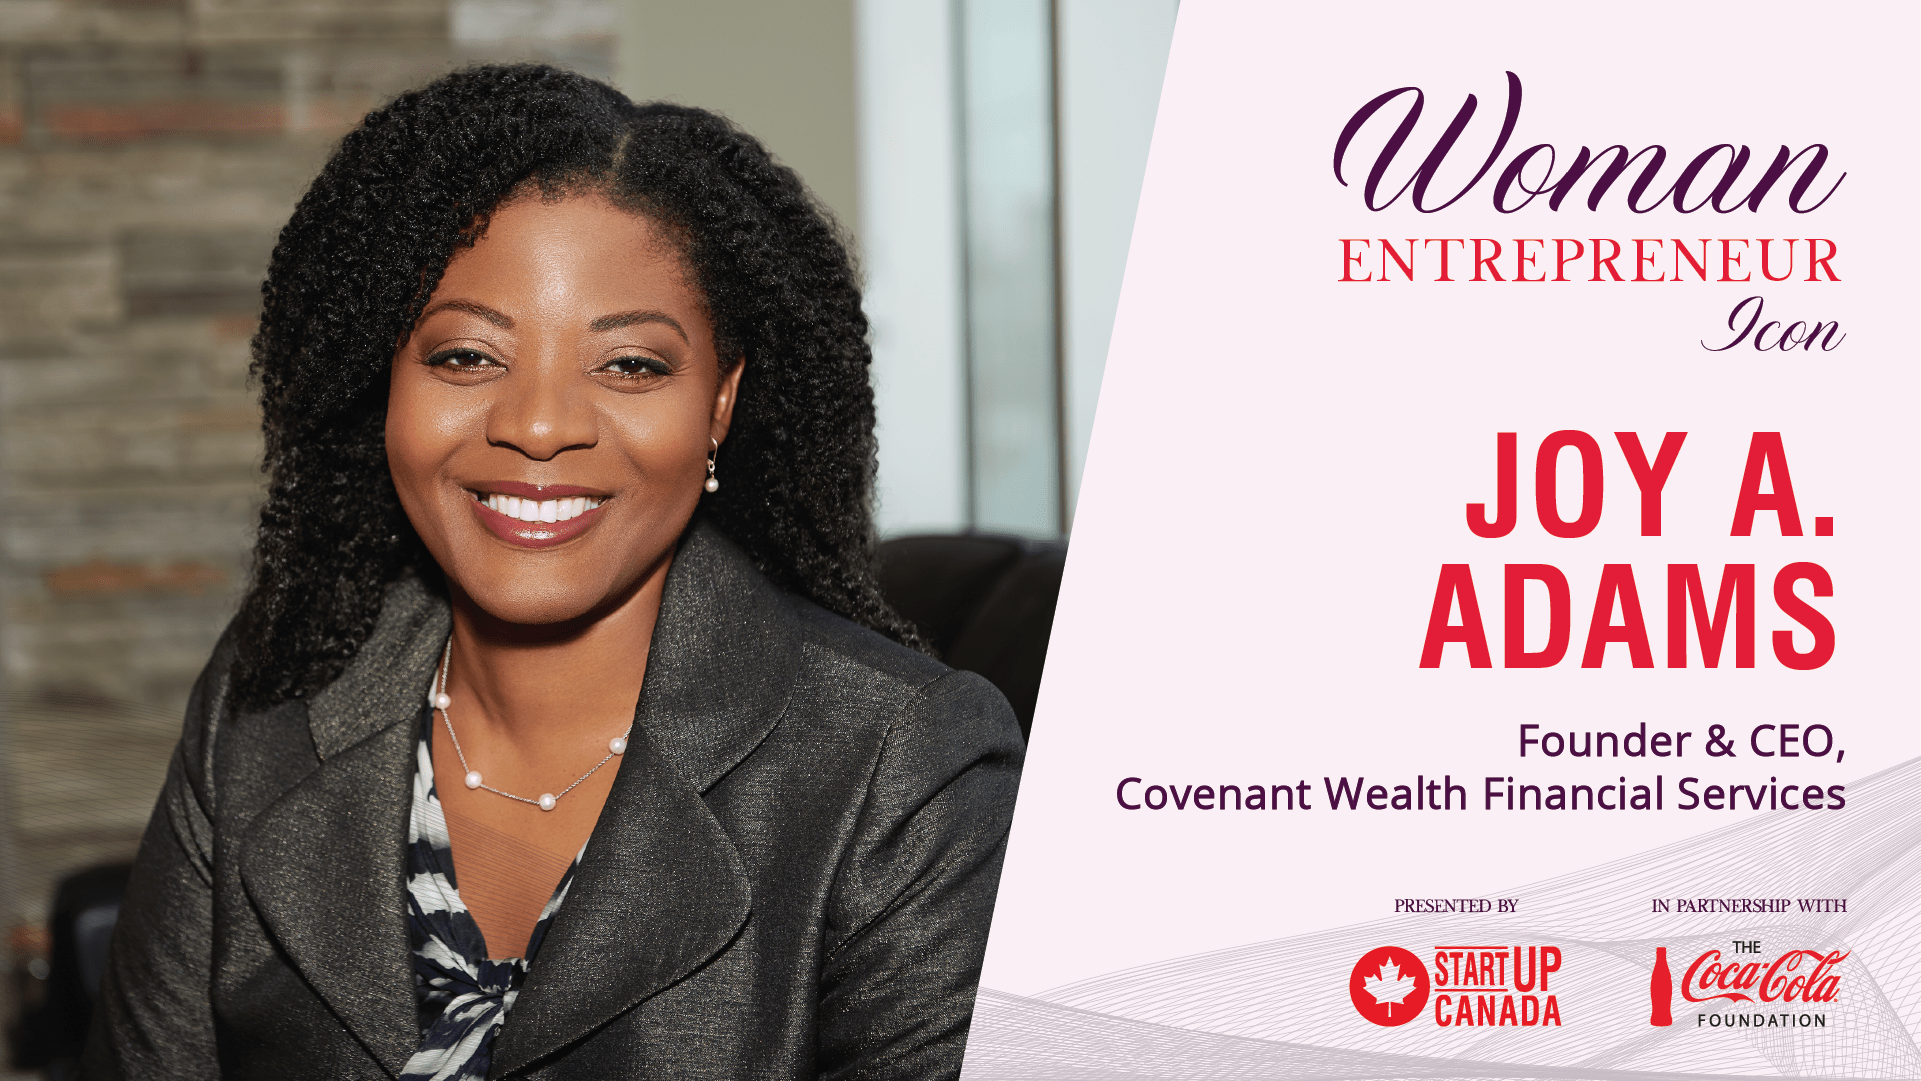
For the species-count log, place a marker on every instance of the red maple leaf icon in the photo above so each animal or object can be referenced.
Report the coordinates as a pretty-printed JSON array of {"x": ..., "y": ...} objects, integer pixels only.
[
  {"x": 1388, "y": 976},
  {"x": 1390, "y": 986}
]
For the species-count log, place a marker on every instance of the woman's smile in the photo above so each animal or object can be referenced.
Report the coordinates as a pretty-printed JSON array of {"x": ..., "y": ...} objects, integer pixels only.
[{"x": 534, "y": 515}]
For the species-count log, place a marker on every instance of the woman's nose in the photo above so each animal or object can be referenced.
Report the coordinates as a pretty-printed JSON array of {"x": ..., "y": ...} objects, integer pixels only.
[{"x": 542, "y": 412}]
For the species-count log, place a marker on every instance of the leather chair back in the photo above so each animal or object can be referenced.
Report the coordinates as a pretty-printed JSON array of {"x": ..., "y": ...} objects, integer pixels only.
[{"x": 985, "y": 602}]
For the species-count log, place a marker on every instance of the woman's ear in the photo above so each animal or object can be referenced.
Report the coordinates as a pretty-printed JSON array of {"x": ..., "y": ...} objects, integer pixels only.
[{"x": 724, "y": 396}]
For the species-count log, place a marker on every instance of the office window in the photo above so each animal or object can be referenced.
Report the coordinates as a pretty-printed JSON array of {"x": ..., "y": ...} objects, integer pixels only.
[{"x": 1002, "y": 148}]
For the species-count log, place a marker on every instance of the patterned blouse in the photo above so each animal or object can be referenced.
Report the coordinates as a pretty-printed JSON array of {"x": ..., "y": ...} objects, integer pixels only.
[{"x": 463, "y": 995}]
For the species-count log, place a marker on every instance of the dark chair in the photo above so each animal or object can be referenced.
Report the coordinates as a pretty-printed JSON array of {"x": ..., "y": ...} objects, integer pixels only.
[
  {"x": 85, "y": 907},
  {"x": 985, "y": 602}
]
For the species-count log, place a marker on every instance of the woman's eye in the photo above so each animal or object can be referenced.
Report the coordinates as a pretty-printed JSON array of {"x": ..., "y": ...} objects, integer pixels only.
[
  {"x": 636, "y": 366},
  {"x": 463, "y": 359}
]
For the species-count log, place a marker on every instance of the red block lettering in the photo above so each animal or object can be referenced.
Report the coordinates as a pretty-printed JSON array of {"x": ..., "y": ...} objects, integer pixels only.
[{"x": 1456, "y": 585}]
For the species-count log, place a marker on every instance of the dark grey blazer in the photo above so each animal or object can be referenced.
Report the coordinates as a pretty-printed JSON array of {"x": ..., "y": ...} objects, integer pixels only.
[{"x": 792, "y": 876}]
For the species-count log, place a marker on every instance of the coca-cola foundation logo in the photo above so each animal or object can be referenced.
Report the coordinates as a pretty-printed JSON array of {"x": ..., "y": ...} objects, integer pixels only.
[{"x": 1795, "y": 976}]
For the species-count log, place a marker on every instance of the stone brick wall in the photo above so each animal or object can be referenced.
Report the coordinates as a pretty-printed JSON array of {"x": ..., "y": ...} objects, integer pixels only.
[{"x": 149, "y": 152}]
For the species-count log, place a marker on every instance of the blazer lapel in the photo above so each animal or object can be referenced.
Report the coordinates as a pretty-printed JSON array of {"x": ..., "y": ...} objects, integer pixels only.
[
  {"x": 661, "y": 888},
  {"x": 325, "y": 865}
]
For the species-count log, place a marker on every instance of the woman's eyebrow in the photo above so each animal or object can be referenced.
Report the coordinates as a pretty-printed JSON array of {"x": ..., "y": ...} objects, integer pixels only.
[
  {"x": 628, "y": 319},
  {"x": 499, "y": 319}
]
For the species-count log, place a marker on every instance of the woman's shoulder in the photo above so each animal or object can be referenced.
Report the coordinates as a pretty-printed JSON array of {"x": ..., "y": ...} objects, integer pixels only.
[
  {"x": 844, "y": 645},
  {"x": 850, "y": 661},
  {"x": 223, "y": 734},
  {"x": 838, "y": 667},
  {"x": 861, "y": 667}
]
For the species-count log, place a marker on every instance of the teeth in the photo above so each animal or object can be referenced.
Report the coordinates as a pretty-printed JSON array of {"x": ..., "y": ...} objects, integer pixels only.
[{"x": 540, "y": 510}]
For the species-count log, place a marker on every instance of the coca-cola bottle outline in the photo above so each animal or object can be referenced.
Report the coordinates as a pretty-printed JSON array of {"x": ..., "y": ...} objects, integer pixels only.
[{"x": 1661, "y": 990}]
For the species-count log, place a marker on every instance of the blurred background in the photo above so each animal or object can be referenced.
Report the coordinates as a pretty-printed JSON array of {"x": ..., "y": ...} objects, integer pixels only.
[{"x": 986, "y": 155}]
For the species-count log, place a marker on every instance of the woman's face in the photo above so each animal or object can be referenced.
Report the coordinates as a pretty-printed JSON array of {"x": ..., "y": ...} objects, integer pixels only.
[{"x": 564, "y": 371}]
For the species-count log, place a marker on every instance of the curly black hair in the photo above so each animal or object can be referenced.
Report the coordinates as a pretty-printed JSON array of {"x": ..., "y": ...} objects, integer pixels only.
[{"x": 363, "y": 252}]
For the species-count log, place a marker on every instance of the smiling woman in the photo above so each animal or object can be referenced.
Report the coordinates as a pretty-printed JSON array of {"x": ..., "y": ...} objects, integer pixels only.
[
  {"x": 564, "y": 357},
  {"x": 563, "y": 731}
]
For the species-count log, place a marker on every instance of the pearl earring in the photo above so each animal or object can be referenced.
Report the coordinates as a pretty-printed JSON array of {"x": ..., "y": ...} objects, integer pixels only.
[{"x": 713, "y": 483}]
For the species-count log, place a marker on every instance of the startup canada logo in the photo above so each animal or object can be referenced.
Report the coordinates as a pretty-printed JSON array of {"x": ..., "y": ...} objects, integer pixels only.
[
  {"x": 1804, "y": 977},
  {"x": 1492, "y": 986}
]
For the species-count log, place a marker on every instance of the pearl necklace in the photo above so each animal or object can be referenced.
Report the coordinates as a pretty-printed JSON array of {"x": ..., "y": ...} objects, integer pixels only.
[{"x": 438, "y": 699}]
